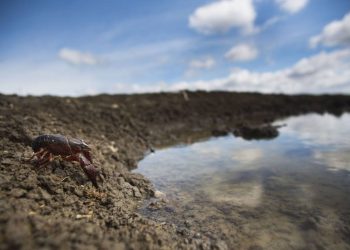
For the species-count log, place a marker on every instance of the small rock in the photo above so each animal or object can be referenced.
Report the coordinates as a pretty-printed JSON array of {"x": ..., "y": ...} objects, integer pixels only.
[
  {"x": 197, "y": 235},
  {"x": 7, "y": 162},
  {"x": 154, "y": 206},
  {"x": 15, "y": 237},
  {"x": 17, "y": 192},
  {"x": 188, "y": 223},
  {"x": 255, "y": 247},
  {"x": 169, "y": 209},
  {"x": 34, "y": 196},
  {"x": 159, "y": 194},
  {"x": 47, "y": 183},
  {"x": 115, "y": 156},
  {"x": 183, "y": 232},
  {"x": 89, "y": 229},
  {"x": 128, "y": 192},
  {"x": 113, "y": 148},
  {"x": 120, "y": 181},
  {"x": 114, "y": 106},
  {"x": 78, "y": 192},
  {"x": 219, "y": 132},
  {"x": 45, "y": 195},
  {"x": 136, "y": 192},
  {"x": 221, "y": 245},
  {"x": 308, "y": 224},
  {"x": 148, "y": 238},
  {"x": 82, "y": 216},
  {"x": 59, "y": 191},
  {"x": 264, "y": 132}
]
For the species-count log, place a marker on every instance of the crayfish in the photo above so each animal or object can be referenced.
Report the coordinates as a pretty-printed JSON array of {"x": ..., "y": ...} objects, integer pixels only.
[{"x": 49, "y": 147}]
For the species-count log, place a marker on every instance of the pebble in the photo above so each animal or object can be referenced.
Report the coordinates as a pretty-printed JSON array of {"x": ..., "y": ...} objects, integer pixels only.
[
  {"x": 120, "y": 181},
  {"x": 197, "y": 235},
  {"x": 89, "y": 229},
  {"x": 34, "y": 196},
  {"x": 45, "y": 195},
  {"x": 136, "y": 192},
  {"x": 221, "y": 245},
  {"x": 78, "y": 192},
  {"x": 15, "y": 236},
  {"x": 188, "y": 223},
  {"x": 159, "y": 194},
  {"x": 7, "y": 162},
  {"x": 17, "y": 192}
]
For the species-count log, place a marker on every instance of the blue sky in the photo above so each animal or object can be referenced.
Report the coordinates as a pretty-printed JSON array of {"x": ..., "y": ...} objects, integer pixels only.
[{"x": 90, "y": 47}]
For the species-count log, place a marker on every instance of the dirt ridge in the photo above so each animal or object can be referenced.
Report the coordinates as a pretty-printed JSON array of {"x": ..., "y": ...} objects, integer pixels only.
[{"x": 61, "y": 210}]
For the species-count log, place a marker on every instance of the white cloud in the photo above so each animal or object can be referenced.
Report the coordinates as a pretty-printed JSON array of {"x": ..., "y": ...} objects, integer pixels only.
[
  {"x": 204, "y": 63},
  {"x": 221, "y": 16},
  {"x": 273, "y": 20},
  {"x": 40, "y": 76},
  {"x": 335, "y": 160},
  {"x": 331, "y": 148},
  {"x": 321, "y": 73},
  {"x": 334, "y": 33},
  {"x": 326, "y": 72},
  {"x": 242, "y": 52},
  {"x": 247, "y": 156},
  {"x": 303, "y": 127},
  {"x": 78, "y": 58},
  {"x": 292, "y": 6},
  {"x": 196, "y": 65},
  {"x": 54, "y": 78},
  {"x": 149, "y": 50}
]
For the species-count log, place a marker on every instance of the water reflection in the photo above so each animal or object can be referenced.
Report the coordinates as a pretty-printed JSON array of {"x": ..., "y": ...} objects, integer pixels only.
[
  {"x": 278, "y": 194},
  {"x": 318, "y": 130}
]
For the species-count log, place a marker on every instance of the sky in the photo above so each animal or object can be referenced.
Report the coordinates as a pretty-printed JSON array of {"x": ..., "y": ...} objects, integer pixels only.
[{"x": 85, "y": 47}]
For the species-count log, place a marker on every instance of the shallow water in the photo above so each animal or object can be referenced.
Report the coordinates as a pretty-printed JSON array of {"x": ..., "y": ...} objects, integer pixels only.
[{"x": 292, "y": 192}]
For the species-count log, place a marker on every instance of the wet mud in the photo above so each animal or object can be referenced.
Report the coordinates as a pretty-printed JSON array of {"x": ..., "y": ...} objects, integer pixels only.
[{"x": 58, "y": 208}]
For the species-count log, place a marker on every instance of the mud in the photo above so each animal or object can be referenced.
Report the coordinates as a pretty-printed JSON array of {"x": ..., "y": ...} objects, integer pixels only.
[
  {"x": 58, "y": 208},
  {"x": 262, "y": 132}
]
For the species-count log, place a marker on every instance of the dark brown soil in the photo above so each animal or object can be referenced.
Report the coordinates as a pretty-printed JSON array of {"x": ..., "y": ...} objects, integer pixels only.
[{"x": 58, "y": 208}]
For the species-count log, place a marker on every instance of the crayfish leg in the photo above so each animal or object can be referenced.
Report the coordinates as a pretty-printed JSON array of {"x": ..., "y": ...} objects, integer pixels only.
[
  {"x": 44, "y": 161},
  {"x": 43, "y": 155},
  {"x": 35, "y": 154},
  {"x": 71, "y": 158}
]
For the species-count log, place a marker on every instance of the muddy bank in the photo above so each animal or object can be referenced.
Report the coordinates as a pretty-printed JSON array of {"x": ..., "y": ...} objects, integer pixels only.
[{"x": 57, "y": 207}]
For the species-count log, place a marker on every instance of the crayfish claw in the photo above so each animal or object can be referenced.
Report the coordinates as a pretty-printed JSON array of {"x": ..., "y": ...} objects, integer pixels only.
[
  {"x": 90, "y": 170},
  {"x": 92, "y": 173}
]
